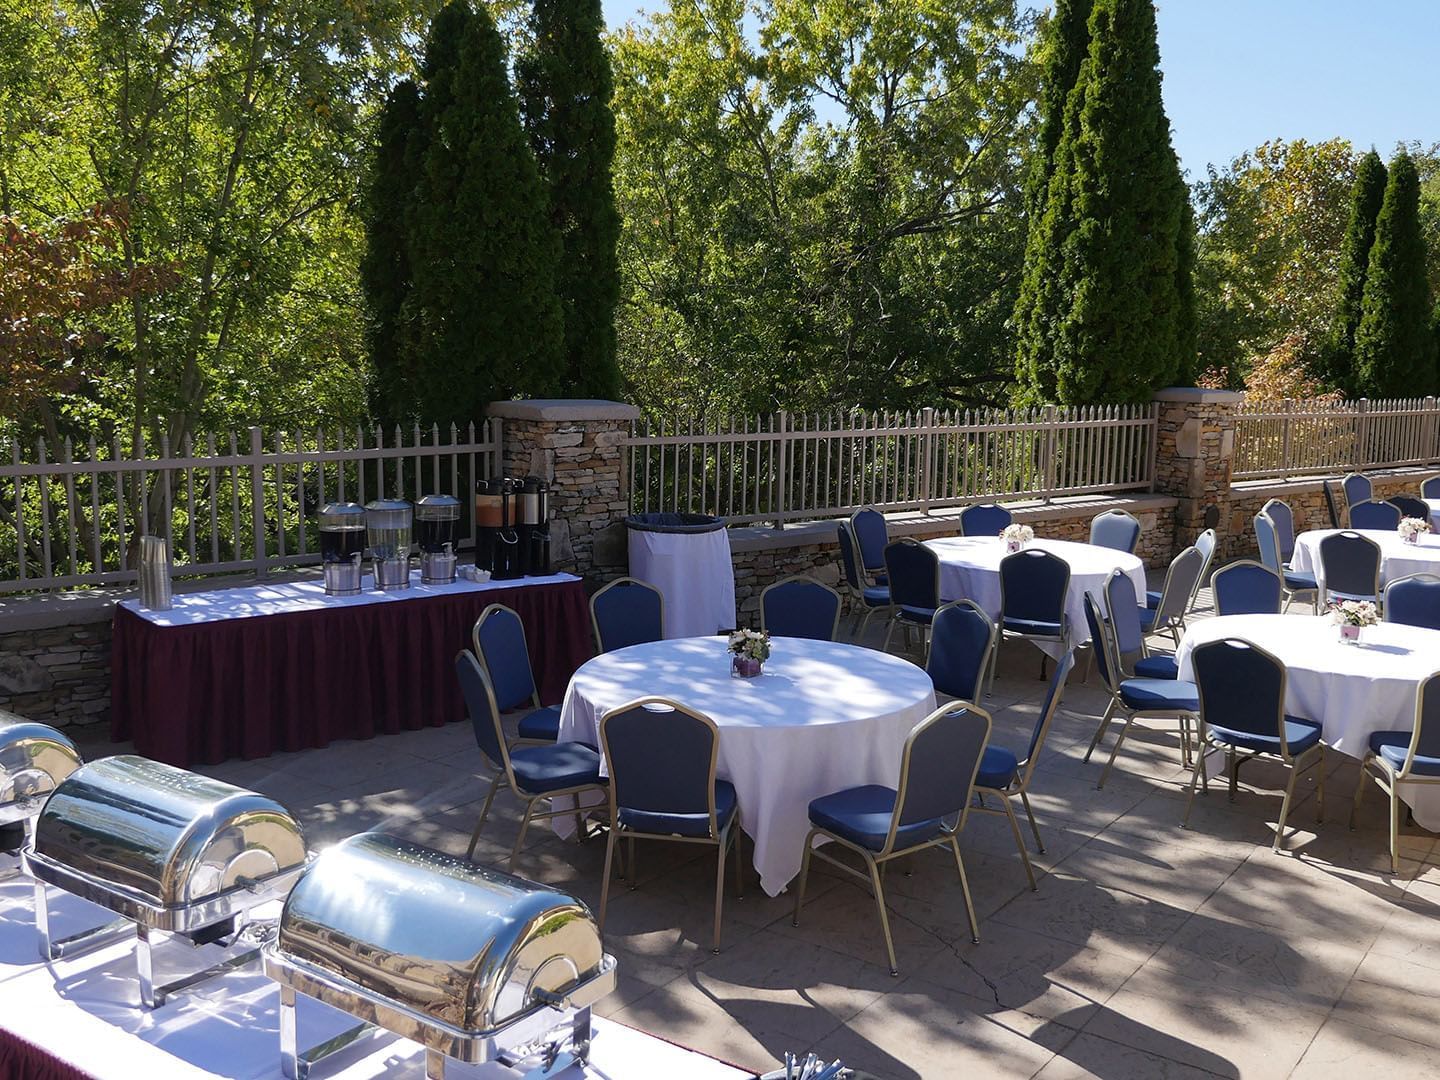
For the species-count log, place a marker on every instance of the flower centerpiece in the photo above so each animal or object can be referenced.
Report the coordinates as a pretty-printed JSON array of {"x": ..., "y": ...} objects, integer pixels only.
[
  {"x": 1411, "y": 529},
  {"x": 749, "y": 649},
  {"x": 1016, "y": 537},
  {"x": 1351, "y": 615}
]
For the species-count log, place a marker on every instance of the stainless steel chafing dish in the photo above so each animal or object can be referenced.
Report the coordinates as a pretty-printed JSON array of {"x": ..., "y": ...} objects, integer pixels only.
[
  {"x": 33, "y": 759},
  {"x": 167, "y": 850},
  {"x": 471, "y": 963}
]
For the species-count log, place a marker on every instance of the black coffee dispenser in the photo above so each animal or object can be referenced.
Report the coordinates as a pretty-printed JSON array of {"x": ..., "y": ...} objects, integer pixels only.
[
  {"x": 506, "y": 558},
  {"x": 489, "y": 519},
  {"x": 535, "y": 526}
]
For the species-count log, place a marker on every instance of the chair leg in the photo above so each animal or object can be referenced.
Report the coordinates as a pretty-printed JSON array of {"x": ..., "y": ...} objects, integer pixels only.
[
  {"x": 719, "y": 893},
  {"x": 630, "y": 862},
  {"x": 1285, "y": 808},
  {"x": 965, "y": 890},
  {"x": 484, "y": 813},
  {"x": 1320, "y": 791},
  {"x": 1100, "y": 730},
  {"x": 520, "y": 836},
  {"x": 1394, "y": 827},
  {"x": 889, "y": 633},
  {"x": 1195, "y": 775},
  {"x": 804, "y": 877},
  {"x": 1115, "y": 752},
  {"x": 1234, "y": 763},
  {"x": 1025, "y": 802},
  {"x": 739, "y": 864},
  {"x": 1359, "y": 790},
  {"x": 605, "y": 879},
  {"x": 884, "y": 915},
  {"x": 1019, "y": 841}
]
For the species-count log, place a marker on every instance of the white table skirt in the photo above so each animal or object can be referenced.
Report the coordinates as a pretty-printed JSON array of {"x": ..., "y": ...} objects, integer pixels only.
[
  {"x": 970, "y": 570},
  {"x": 86, "y": 1012},
  {"x": 1351, "y": 690},
  {"x": 1397, "y": 558},
  {"x": 283, "y": 597},
  {"x": 824, "y": 716},
  {"x": 694, "y": 572},
  {"x": 1434, "y": 505}
]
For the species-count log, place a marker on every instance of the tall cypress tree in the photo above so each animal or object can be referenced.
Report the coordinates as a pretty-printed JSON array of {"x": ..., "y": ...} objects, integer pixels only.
[
  {"x": 1114, "y": 318},
  {"x": 1337, "y": 362},
  {"x": 1394, "y": 345},
  {"x": 566, "y": 84}
]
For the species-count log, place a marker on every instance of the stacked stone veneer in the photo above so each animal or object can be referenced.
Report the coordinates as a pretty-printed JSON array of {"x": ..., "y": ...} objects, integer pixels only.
[
  {"x": 1195, "y": 446},
  {"x": 57, "y": 674}
]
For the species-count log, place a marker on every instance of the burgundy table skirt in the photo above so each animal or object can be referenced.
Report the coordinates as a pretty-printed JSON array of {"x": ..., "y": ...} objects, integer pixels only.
[
  {"x": 251, "y": 687},
  {"x": 20, "y": 1060}
]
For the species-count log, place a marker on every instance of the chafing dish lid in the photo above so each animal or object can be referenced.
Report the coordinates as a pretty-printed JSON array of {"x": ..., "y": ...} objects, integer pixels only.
[
  {"x": 458, "y": 943},
  {"x": 172, "y": 836},
  {"x": 33, "y": 758}
]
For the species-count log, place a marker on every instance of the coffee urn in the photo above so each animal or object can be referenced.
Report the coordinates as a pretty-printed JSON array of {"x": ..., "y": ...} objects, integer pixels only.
[
  {"x": 535, "y": 526},
  {"x": 488, "y": 511},
  {"x": 507, "y": 551},
  {"x": 387, "y": 526},
  {"x": 342, "y": 547},
  {"x": 436, "y": 519}
]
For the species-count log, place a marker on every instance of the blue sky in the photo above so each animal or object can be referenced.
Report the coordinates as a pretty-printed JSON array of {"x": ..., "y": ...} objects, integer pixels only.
[{"x": 1238, "y": 72}]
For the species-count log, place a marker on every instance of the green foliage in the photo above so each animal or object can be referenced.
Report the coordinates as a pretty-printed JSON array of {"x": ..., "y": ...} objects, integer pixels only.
[
  {"x": 566, "y": 85},
  {"x": 1337, "y": 365},
  {"x": 1113, "y": 315},
  {"x": 1394, "y": 344}
]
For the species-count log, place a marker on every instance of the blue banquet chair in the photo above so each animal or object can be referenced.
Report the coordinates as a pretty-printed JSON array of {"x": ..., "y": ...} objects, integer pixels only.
[
  {"x": 962, "y": 650},
  {"x": 1295, "y": 582},
  {"x": 1242, "y": 707},
  {"x": 926, "y": 808},
  {"x": 1430, "y": 487},
  {"x": 627, "y": 612},
  {"x": 1205, "y": 544},
  {"x": 1396, "y": 757},
  {"x": 499, "y": 642},
  {"x": 914, "y": 573},
  {"x": 531, "y": 773},
  {"x": 984, "y": 519},
  {"x": 1414, "y": 601},
  {"x": 800, "y": 607},
  {"x": 1034, "y": 585},
  {"x": 872, "y": 534},
  {"x": 865, "y": 600},
  {"x": 1410, "y": 507},
  {"x": 1279, "y": 512},
  {"x": 1352, "y": 567},
  {"x": 662, "y": 759},
  {"x": 1357, "y": 489},
  {"x": 1374, "y": 515},
  {"x": 1115, "y": 529},
  {"x": 1126, "y": 625},
  {"x": 1247, "y": 587},
  {"x": 1167, "y": 615}
]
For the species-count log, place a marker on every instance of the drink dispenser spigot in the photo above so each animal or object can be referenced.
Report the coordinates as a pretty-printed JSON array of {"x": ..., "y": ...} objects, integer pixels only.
[
  {"x": 387, "y": 525},
  {"x": 342, "y": 547},
  {"x": 535, "y": 526},
  {"x": 436, "y": 519}
]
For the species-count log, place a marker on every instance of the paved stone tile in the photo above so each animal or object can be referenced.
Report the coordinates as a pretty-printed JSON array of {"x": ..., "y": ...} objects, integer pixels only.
[
  {"x": 1083, "y": 912},
  {"x": 1344, "y": 1049},
  {"x": 1088, "y": 1056},
  {"x": 1394, "y": 996}
]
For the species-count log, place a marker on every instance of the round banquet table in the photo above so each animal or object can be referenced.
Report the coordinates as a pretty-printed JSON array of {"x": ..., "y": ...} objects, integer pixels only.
[
  {"x": 970, "y": 570},
  {"x": 1434, "y": 505},
  {"x": 1352, "y": 690},
  {"x": 1397, "y": 558},
  {"x": 823, "y": 716}
]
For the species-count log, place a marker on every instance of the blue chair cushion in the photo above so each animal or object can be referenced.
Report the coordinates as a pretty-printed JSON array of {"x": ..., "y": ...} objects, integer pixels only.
[
  {"x": 1300, "y": 734},
  {"x": 539, "y": 769},
  {"x": 910, "y": 613},
  {"x": 877, "y": 596},
  {"x": 997, "y": 768},
  {"x": 1159, "y": 694},
  {"x": 1034, "y": 627},
  {"x": 1392, "y": 746},
  {"x": 542, "y": 725},
  {"x": 1157, "y": 667},
  {"x": 1336, "y": 594},
  {"x": 1147, "y": 618},
  {"x": 880, "y": 578},
  {"x": 1298, "y": 581},
  {"x": 658, "y": 821},
  {"x": 862, "y": 816},
  {"x": 1152, "y": 598}
]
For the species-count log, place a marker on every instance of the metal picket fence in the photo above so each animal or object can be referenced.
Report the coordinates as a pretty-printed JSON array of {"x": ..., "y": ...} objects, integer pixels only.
[{"x": 1298, "y": 438}]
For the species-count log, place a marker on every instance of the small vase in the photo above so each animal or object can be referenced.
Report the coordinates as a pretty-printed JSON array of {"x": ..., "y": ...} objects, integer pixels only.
[
  {"x": 1012, "y": 546},
  {"x": 1410, "y": 538},
  {"x": 745, "y": 667},
  {"x": 1350, "y": 635}
]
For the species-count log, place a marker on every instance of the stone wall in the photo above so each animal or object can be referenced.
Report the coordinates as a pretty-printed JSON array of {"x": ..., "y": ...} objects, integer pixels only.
[
  {"x": 1195, "y": 444},
  {"x": 58, "y": 674}
]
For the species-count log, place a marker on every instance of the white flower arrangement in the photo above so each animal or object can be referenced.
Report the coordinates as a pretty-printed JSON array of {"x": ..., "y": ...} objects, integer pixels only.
[
  {"x": 1411, "y": 529},
  {"x": 1354, "y": 613},
  {"x": 751, "y": 644},
  {"x": 1017, "y": 534}
]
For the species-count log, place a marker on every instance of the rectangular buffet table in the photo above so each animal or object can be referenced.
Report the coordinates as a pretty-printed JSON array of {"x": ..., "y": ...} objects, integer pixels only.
[{"x": 252, "y": 671}]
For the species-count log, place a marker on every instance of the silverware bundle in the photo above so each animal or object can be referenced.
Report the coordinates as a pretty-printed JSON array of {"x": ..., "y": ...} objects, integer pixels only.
[
  {"x": 811, "y": 1068},
  {"x": 154, "y": 573}
]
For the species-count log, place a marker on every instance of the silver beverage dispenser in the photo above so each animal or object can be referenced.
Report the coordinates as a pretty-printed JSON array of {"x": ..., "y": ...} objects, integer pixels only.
[
  {"x": 387, "y": 525},
  {"x": 437, "y": 517},
  {"x": 342, "y": 547}
]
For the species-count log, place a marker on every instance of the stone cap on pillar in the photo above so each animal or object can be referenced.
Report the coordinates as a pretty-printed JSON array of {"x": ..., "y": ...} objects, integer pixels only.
[
  {"x": 563, "y": 409},
  {"x": 1196, "y": 395}
]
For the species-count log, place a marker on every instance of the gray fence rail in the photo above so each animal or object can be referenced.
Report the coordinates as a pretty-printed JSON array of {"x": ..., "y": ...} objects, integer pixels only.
[{"x": 1298, "y": 438}]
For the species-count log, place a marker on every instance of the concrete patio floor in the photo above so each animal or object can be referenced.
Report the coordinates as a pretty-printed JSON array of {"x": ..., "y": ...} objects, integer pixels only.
[{"x": 1147, "y": 951}]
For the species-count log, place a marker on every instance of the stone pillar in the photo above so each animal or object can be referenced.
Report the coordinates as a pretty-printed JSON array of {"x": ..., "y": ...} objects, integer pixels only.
[
  {"x": 1195, "y": 444},
  {"x": 575, "y": 446}
]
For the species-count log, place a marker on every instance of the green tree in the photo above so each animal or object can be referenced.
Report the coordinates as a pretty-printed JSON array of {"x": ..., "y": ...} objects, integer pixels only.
[
  {"x": 1394, "y": 345},
  {"x": 1337, "y": 363},
  {"x": 1112, "y": 319},
  {"x": 482, "y": 252},
  {"x": 565, "y": 85}
]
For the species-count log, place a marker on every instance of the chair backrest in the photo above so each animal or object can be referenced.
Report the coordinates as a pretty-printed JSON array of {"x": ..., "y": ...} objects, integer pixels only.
[
  {"x": 1351, "y": 563},
  {"x": 1124, "y": 608},
  {"x": 480, "y": 705},
  {"x": 962, "y": 640},
  {"x": 871, "y": 535},
  {"x": 984, "y": 519},
  {"x": 627, "y": 612},
  {"x": 1181, "y": 580},
  {"x": 1115, "y": 529},
  {"x": 1414, "y": 601},
  {"x": 914, "y": 573},
  {"x": 1205, "y": 544},
  {"x": 937, "y": 769},
  {"x": 1330, "y": 507},
  {"x": 849, "y": 559},
  {"x": 1048, "y": 708},
  {"x": 1410, "y": 506},
  {"x": 1247, "y": 588},
  {"x": 800, "y": 607},
  {"x": 1278, "y": 511},
  {"x": 1268, "y": 539},
  {"x": 1033, "y": 585},
  {"x": 661, "y": 758},
  {"x": 1102, "y": 644},
  {"x": 1430, "y": 487},
  {"x": 499, "y": 640},
  {"x": 1425, "y": 740},
  {"x": 1357, "y": 488},
  {"x": 1372, "y": 514},
  {"x": 1241, "y": 686}
]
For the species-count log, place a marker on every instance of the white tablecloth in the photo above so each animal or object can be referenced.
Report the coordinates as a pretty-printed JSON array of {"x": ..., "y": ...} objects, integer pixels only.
[
  {"x": 282, "y": 597},
  {"x": 1352, "y": 690},
  {"x": 86, "y": 1012},
  {"x": 1397, "y": 558},
  {"x": 824, "y": 716},
  {"x": 1434, "y": 505},
  {"x": 694, "y": 572},
  {"x": 970, "y": 570}
]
